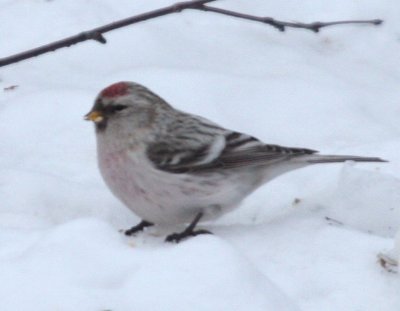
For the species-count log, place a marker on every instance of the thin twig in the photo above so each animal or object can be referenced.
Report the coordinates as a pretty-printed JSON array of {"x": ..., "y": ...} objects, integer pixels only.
[
  {"x": 281, "y": 25},
  {"x": 97, "y": 33}
]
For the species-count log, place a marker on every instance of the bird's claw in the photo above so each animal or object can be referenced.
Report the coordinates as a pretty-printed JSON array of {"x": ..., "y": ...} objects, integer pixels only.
[
  {"x": 138, "y": 228},
  {"x": 178, "y": 237}
]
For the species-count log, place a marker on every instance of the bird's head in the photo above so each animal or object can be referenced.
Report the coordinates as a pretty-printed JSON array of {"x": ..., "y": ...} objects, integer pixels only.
[{"x": 124, "y": 104}]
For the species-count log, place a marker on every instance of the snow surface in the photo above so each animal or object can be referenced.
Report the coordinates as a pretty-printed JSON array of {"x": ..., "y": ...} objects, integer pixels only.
[{"x": 306, "y": 241}]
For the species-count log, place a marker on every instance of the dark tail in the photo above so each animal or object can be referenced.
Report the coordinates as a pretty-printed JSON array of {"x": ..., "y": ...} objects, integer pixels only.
[{"x": 316, "y": 158}]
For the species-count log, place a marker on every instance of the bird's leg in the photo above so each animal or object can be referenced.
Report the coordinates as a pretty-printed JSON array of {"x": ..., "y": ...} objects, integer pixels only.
[
  {"x": 189, "y": 231},
  {"x": 139, "y": 227}
]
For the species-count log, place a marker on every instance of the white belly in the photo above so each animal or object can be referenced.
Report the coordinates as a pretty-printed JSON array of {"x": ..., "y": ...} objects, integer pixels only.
[{"x": 161, "y": 197}]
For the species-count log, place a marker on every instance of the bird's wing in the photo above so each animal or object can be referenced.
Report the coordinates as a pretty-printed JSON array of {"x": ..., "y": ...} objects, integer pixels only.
[{"x": 224, "y": 150}]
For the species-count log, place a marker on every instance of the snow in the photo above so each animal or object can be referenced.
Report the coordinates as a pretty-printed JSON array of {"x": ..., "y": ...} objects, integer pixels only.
[
  {"x": 91, "y": 267},
  {"x": 308, "y": 240},
  {"x": 374, "y": 207}
]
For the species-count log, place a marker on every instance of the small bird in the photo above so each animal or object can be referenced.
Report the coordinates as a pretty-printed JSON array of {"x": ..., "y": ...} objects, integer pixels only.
[{"x": 172, "y": 167}]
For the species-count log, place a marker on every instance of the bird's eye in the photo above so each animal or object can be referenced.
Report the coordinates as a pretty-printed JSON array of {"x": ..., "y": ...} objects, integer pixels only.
[{"x": 119, "y": 107}]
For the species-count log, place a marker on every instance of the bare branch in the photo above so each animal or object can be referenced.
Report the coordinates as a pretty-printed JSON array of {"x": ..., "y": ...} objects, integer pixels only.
[
  {"x": 97, "y": 33},
  {"x": 281, "y": 25}
]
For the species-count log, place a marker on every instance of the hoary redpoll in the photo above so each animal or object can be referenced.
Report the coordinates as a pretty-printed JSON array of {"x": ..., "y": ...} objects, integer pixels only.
[{"x": 172, "y": 167}]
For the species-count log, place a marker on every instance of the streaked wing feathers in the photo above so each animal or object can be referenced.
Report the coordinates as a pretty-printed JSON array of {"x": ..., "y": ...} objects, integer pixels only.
[{"x": 237, "y": 150}]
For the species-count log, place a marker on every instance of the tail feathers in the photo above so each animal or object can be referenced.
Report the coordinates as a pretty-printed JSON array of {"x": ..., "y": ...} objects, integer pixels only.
[{"x": 314, "y": 159}]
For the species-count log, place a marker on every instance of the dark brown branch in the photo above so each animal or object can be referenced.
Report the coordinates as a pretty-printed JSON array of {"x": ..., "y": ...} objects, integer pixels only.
[
  {"x": 316, "y": 26},
  {"x": 281, "y": 25},
  {"x": 97, "y": 33}
]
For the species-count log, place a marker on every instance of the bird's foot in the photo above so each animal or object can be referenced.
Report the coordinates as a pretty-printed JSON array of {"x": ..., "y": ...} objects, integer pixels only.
[
  {"x": 189, "y": 231},
  {"x": 138, "y": 228},
  {"x": 177, "y": 237}
]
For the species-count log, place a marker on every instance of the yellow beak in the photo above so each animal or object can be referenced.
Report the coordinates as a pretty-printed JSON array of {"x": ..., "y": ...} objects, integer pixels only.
[{"x": 95, "y": 116}]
